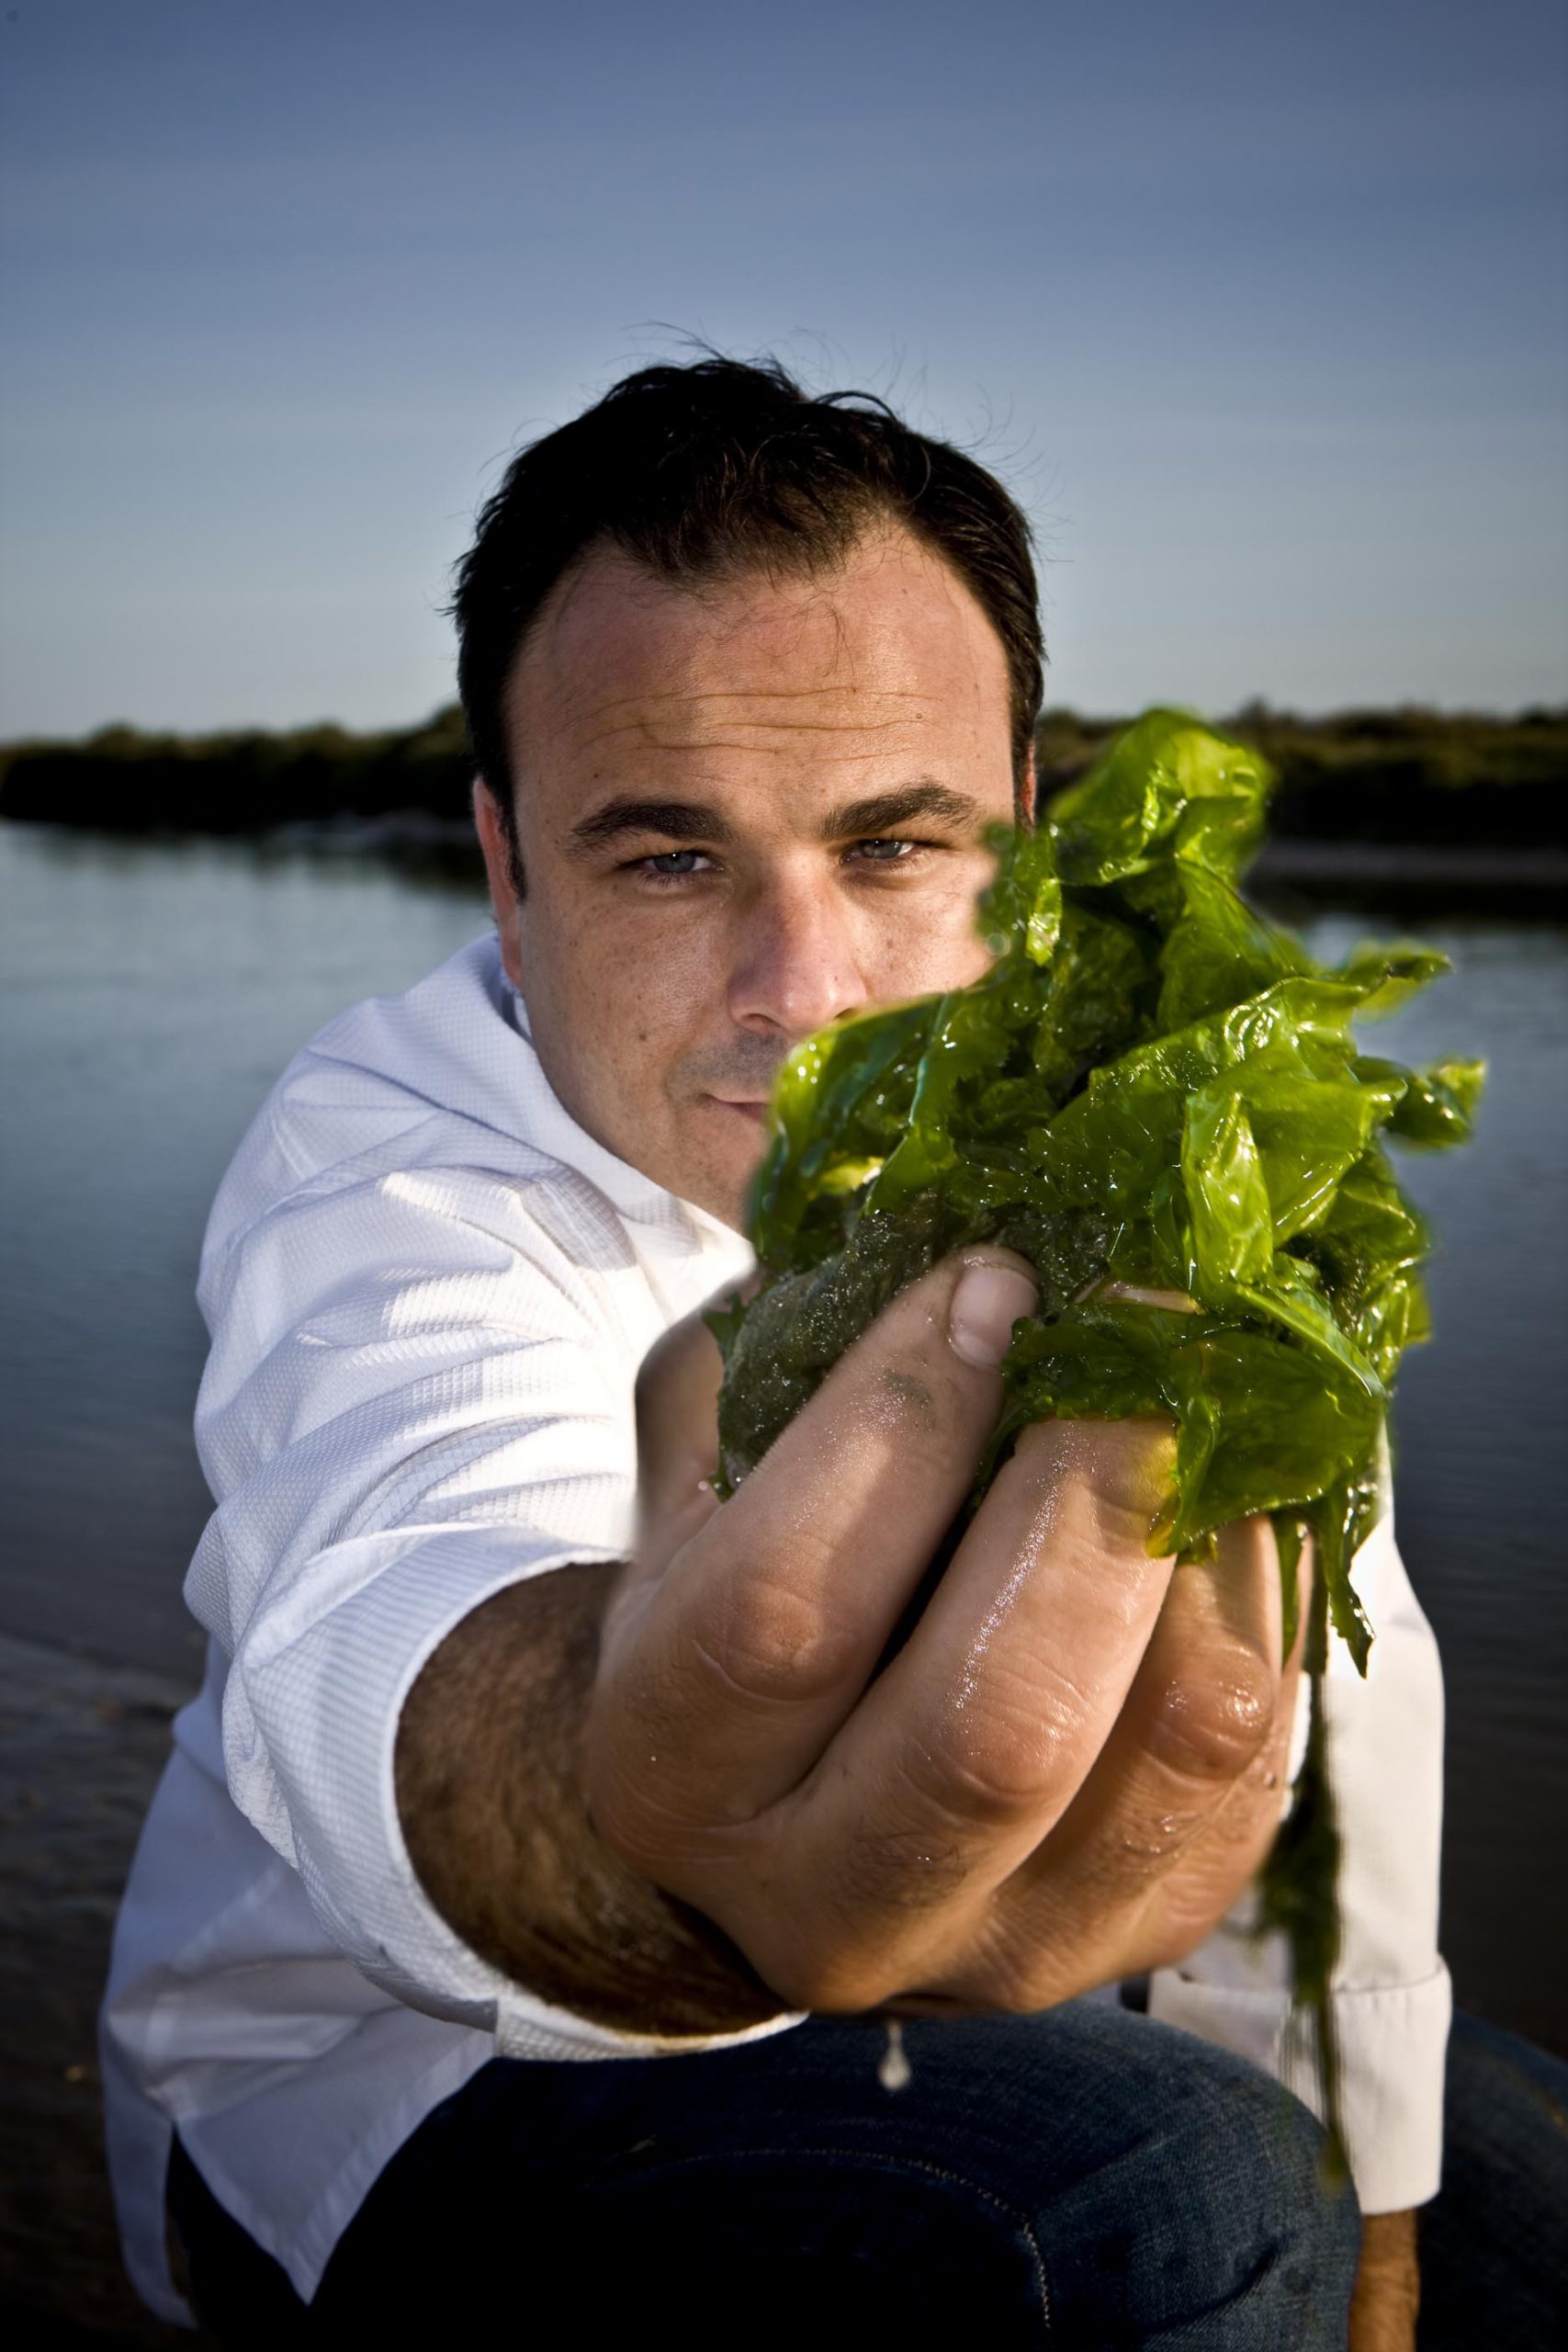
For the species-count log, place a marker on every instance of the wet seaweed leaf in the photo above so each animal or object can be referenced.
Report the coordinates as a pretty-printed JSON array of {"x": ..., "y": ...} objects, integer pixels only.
[
  {"x": 1155, "y": 1091},
  {"x": 1152, "y": 1088}
]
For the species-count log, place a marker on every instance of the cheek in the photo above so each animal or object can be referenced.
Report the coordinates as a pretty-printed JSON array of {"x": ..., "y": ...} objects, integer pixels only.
[
  {"x": 915, "y": 952},
  {"x": 622, "y": 987}
]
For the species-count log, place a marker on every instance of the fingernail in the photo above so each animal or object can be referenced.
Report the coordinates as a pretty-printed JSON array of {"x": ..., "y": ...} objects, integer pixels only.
[{"x": 986, "y": 1304}]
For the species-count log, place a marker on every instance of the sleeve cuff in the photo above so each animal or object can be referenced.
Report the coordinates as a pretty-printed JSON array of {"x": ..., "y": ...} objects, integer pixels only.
[
  {"x": 310, "y": 1753},
  {"x": 526, "y": 2028},
  {"x": 1392, "y": 2044}
]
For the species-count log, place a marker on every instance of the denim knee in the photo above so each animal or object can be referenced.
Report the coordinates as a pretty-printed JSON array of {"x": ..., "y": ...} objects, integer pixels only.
[
  {"x": 1084, "y": 2178},
  {"x": 1220, "y": 2226}
]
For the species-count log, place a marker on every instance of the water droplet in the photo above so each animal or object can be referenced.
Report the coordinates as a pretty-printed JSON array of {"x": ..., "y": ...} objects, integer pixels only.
[{"x": 895, "y": 2070}]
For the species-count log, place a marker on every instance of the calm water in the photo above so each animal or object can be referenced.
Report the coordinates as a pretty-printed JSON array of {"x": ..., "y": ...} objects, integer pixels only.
[{"x": 152, "y": 993}]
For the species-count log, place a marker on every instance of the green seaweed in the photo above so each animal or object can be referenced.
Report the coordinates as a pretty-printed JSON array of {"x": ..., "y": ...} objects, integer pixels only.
[{"x": 1154, "y": 1089}]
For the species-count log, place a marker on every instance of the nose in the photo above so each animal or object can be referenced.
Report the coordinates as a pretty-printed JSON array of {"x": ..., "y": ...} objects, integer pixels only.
[{"x": 795, "y": 964}]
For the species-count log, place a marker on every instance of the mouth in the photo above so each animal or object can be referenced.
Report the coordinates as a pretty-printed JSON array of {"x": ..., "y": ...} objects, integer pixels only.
[{"x": 753, "y": 1109}]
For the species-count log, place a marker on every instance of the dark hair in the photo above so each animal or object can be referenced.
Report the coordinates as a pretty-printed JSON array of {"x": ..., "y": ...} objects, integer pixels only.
[{"x": 714, "y": 469}]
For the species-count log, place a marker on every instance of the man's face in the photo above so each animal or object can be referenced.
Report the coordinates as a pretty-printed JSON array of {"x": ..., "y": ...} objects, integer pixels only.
[{"x": 743, "y": 811}]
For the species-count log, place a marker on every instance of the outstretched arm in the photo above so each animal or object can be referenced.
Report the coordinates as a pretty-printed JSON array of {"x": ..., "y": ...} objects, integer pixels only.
[{"x": 1065, "y": 1773}]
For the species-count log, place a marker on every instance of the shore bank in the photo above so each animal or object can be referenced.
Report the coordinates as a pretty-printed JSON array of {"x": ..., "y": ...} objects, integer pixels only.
[
  {"x": 1427, "y": 880},
  {"x": 80, "y": 1746},
  {"x": 1525, "y": 885}
]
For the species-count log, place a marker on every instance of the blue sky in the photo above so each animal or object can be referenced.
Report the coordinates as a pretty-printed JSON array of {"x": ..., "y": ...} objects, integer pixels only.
[{"x": 1262, "y": 310}]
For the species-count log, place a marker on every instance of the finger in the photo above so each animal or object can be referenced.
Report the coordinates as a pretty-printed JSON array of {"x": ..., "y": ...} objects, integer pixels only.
[
  {"x": 1229, "y": 1849},
  {"x": 978, "y": 1736},
  {"x": 1181, "y": 1804},
  {"x": 758, "y": 1640},
  {"x": 677, "y": 1440}
]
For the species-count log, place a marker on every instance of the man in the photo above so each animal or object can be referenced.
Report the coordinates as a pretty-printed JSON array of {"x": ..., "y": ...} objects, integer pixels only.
[{"x": 492, "y": 1774}]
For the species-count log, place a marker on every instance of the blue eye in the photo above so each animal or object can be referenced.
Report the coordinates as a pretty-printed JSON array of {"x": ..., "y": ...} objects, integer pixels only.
[
  {"x": 671, "y": 863},
  {"x": 884, "y": 852}
]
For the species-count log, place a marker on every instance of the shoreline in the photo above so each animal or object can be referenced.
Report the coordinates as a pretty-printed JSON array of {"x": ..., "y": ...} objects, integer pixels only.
[
  {"x": 1527, "y": 880},
  {"x": 1449, "y": 878}
]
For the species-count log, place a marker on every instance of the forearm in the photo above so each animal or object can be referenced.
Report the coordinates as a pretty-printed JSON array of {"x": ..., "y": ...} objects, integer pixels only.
[{"x": 490, "y": 1796}]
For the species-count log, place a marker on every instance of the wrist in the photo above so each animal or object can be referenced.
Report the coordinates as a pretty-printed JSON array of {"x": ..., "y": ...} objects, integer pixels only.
[{"x": 1388, "y": 2285}]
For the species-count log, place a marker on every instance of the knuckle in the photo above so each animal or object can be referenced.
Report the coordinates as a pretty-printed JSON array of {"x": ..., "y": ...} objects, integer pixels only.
[
  {"x": 1214, "y": 1725},
  {"x": 1130, "y": 1472},
  {"x": 770, "y": 1645},
  {"x": 995, "y": 1778},
  {"x": 1118, "y": 1471}
]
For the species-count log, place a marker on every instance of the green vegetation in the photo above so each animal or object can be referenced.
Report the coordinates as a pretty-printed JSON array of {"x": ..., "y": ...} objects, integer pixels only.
[
  {"x": 124, "y": 781},
  {"x": 1405, "y": 776},
  {"x": 1154, "y": 1095}
]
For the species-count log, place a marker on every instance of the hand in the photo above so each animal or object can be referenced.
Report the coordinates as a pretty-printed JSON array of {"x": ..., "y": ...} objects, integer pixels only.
[
  {"x": 1067, "y": 1772},
  {"x": 1388, "y": 2285}
]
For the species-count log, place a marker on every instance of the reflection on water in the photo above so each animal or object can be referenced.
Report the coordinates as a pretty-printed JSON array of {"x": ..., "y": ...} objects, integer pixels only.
[{"x": 153, "y": 991}]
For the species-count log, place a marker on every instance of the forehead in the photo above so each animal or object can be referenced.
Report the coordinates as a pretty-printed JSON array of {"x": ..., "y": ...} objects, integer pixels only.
[{"x": 882, "y": 653}]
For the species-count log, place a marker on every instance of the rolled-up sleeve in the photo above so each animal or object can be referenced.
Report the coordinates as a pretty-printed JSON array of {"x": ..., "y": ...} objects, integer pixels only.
[
  {"x": 420, "y": 1390},
  {"x": 1391, "y": 1991}
]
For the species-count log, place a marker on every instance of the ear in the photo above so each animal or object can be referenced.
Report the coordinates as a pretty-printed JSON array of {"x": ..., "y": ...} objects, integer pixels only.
[{"x": 499, "y": 871}]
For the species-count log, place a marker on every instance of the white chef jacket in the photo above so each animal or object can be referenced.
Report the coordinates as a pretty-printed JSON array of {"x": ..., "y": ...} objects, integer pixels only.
[{"x": 429, "y": 1292}]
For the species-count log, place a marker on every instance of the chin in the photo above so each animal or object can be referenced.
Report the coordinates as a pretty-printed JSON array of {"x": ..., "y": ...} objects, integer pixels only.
[
  {"x": 715, "y": 1171},
  {"x": 725, "y": 1192},
  {"x": 729, "y": 1199}
]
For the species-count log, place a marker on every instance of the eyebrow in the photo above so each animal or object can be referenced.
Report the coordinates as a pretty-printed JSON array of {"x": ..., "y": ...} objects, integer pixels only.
[
  {"x": 883, "y": 812},
  {"x": 691, "y": 820},
  {"x": 676, "y": 821}
]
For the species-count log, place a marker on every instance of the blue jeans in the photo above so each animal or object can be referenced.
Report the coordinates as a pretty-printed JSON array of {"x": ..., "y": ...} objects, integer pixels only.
[{"x": 1084, "y": 2178}]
